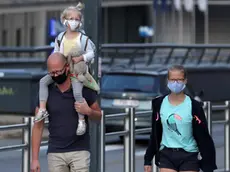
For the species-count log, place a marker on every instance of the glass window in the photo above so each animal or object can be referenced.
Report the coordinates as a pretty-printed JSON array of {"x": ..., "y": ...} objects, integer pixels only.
[{"x": 132, "y": 83}]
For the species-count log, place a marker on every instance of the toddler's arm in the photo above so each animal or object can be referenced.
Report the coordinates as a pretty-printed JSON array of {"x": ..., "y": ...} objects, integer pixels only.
[{"x": 89, "y": 52}]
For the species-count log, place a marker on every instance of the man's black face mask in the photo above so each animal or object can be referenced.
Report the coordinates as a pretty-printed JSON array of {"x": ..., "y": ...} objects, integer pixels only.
[{"x": 60, "y": 79}]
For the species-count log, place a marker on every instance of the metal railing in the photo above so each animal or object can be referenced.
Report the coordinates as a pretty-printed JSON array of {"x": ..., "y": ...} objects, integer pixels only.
[
  {"x": 136, "y": 55},
  {"x": 209, "y": 108},
  {"x": 128, "y": 134},
  {"x": 26, "y": 126},
  {"x": 26, "y": 141},
  {"x": 130, "y": 131},
  {"x": 160, "y": 56}
]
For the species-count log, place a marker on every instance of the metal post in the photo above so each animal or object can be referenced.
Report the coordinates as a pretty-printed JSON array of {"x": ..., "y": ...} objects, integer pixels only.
[
  {"x": 154, "y": 167},
  {"x": 227, "y": 138},
  {"x": 26, "y": 140},
  {"x": 206, "y": 25},
  {"x": 164, "y": 26},
  {"x": 181, "y": 26},
  {"x": 208, "y": 114},
  {"x": 173, "y": 23},
  {"x": 132, "y": 139},
  {"x": 31, "y": 128},
  {"x": 102, "y": 159},
  {"x": 92, "y": 27},
  {"x": 155, "y": 24},
  {"x": 194, "y": 24},
  {"x": 126, "y": 145}
]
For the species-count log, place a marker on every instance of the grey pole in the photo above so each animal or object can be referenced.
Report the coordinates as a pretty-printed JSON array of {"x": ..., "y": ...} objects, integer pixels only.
[
  {"x": 26, "y": 140},
  {"x": 102, "y": 159},
  {"x": 154, "y": 167},
  {"x": 132, "y": 139},
  {"x": 92, "y": 16},
  {"x": 208, "y": 113},
  {"x": 127, "y": 143},
  {"x": 227, "y": 138},
  {"x": 194, "y": 25},
  {"x": 206, "y": 25},
  {"x": 209, "y": 116}
]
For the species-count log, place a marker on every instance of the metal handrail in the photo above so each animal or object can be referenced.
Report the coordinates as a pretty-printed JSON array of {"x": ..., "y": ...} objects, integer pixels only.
[
  {"x": 163, "y": 45},
  {"x": 13, "y": 127},
  {"x": 26, "y": 141},
  {"x": 116, "y": 115},
  {"x": 31, "y": 49},
  {"x": 117, "y": 133},
  {"x": 139, "y": 55},
  {"x": 129, "y": 137},
  {"x": 144, "y": 112},
  {"x": 43, "y": 143},
  {"x": 13, "y": 147},
  {"x": 26, "y": 49},
  {"x": 143, "y": 130},
  {"x": 26, "y": 126},
  {"x": 150, "y": 52}
]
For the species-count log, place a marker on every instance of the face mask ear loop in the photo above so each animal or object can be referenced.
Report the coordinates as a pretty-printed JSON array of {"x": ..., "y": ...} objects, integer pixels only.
[{"x": 65, "y": 22}]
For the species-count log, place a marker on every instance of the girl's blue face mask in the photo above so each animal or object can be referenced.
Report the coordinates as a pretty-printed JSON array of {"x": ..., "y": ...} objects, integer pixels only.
[{"x": 176, "y": 86}]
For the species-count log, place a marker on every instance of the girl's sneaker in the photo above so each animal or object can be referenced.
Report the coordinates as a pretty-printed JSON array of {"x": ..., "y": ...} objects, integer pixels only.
[
  {"x": 81, "y": 128},
  {"x": 41, "y": 115}
]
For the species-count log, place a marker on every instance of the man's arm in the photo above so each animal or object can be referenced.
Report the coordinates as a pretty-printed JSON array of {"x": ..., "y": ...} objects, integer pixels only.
[
  {"x": 93, "y": 111},
  {"x": 37, "y": 137}
]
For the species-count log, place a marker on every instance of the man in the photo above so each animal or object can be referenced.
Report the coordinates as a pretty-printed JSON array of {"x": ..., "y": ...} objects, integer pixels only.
[{"x": 67, "y": 152}]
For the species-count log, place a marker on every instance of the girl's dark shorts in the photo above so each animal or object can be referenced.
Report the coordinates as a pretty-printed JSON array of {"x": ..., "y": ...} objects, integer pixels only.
[{"x": 179, "y": 160}]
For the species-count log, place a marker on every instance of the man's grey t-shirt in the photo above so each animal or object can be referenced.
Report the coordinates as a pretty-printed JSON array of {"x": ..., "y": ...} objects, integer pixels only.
[{"x": 63, "y": 121}]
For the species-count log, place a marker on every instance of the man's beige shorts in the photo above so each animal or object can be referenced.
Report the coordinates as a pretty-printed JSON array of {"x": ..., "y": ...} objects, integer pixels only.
[{"x": 78, "y": 161}]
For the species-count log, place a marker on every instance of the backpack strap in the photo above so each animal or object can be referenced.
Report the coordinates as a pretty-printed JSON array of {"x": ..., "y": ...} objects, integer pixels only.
[
  {"x": 60, "y": 37},
  {"x": 84, "y": 41}
]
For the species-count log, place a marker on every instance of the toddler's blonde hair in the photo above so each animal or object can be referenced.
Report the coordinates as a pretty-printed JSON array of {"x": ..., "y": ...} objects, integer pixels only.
[{"x": 80, "y": 6}]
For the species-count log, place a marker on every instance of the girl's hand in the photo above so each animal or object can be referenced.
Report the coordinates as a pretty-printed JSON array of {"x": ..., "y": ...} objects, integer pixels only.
[
  {"x": 82, "y": 107},
  {"x": 147, "y": 168},
  {"x": 77, "y": 59}
]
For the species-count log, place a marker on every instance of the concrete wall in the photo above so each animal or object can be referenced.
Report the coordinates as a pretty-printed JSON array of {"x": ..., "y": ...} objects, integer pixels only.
[
  {"x": 23, "y": 29},
  {"x": 219, "y": 27}
]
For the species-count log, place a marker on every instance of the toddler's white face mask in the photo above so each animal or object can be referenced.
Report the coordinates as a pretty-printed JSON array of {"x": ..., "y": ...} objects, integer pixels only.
[{"x": 73, "y": 24}]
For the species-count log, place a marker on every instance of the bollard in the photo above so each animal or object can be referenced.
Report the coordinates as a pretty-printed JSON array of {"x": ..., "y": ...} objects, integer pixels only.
[
  {"x": 127, "y": 144},
  {"x": 154, "y": 167},
  {"x": 102, "y": 143},
  {"x": 26, "y": 139},
  {"x": 31, "y": 128},
  {"x": 227, "y": 137},
  {"x": 132, "y": 139},
  {"x": 208, "y": 114}
]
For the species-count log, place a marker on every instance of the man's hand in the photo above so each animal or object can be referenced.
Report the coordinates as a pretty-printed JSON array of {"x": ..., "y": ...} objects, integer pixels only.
[
  {"x": 147, "y": 168},
  {"x": 77, "y": 59},
  {"x": 82, "y": 107},
  {"x": 35, "y": 166}
]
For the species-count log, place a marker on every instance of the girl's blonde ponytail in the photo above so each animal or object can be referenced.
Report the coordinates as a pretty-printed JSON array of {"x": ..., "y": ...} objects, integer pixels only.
[{"x": 80, "y": 6}]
